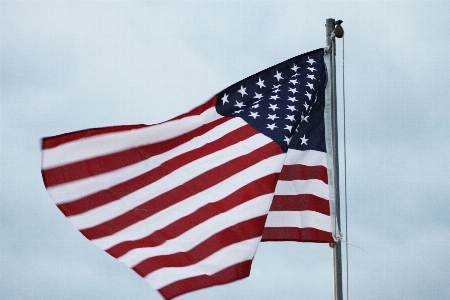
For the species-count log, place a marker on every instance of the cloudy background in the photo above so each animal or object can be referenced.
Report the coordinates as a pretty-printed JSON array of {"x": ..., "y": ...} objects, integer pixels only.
[{"x": 67, "y": 66}]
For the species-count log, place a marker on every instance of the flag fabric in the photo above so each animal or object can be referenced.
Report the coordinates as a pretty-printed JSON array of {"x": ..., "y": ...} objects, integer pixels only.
[
  {"x": 300, "y": 209},
  {"x": 184, "y": 203}
]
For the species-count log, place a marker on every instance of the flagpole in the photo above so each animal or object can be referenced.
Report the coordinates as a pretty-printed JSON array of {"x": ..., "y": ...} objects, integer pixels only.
[{"x": 337, "y": 256}]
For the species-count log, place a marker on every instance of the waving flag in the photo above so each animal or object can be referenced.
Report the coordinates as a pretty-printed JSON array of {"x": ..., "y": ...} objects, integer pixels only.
[{"x": 184, "y": 202}]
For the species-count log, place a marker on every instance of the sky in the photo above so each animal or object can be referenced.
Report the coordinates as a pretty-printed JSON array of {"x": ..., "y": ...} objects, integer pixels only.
[{"x": 72, "y": 65}]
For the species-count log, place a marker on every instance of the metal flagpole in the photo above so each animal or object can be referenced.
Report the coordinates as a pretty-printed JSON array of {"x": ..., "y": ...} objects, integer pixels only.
[{"x": 337, "y": 257}]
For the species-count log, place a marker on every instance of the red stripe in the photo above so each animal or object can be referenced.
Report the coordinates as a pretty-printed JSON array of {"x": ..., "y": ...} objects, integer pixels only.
[
  {"x": 116, "y": 192},
  {"x": 54, "y": 141},
  {"x": 259, "y": 187},
  {"x": 232, "y": 273},
  {"x": 178, "y": 194},
  {"x": 302, "y": 172},
  {"x": 198, "y": 110},
  {"x": 234, "y": 234},
  {"x": 277, "y": 234},
  {"x": 107, "y": 163},
  {"x": 300, "y": 203}
]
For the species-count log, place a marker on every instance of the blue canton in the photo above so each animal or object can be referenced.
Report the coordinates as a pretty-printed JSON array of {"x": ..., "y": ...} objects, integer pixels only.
[{"x": 285, "y": 102}]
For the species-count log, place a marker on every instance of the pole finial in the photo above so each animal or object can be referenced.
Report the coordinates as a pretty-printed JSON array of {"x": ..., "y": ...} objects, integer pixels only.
[{"x": 339, "y": 31}]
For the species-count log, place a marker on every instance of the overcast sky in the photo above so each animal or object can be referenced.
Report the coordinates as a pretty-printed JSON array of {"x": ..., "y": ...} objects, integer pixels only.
[{"x": 68, "y": 66}]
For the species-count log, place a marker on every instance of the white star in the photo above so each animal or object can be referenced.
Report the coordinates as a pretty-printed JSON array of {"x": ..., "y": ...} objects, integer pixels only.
[
  {"x": 304, "y": 118},
  {"x": 260, "y": 83},
  {"x": 253, "y": 114},
  {"x": 287, "y": 139},
  {"x": 274, "y": 97},
  {"x": 242, "y": 91},
  {"x": 291, "y": 107},
  {"x": 273, "y": 107},
  {"x": 310, "y": 85},
  {"x": 295, "y": 68},
  {"x": 310, "y": 60},
  {"x": 293, "y": 81},
  {"x": 306, "y": 105},
  {"x": 304, "y": 140},
  {"x": 290, "y": 118},
  {"x": 271, "y": 126},
  {"x": 293, "y": 90},
  {"x": 275, "y": 91},
  {"x": 278, "y": 76},
  {"x": 272, "y": 117},
  {"x": 288, "y": 128},
  {"x": 292, "y": 99},
  {"x": 255, "y": 106},
  {"x": 275, "y": 86},
  {"x": 224, "y": 99},
  {"x": 311, "y": 69},
  {"x": 309, "y": 95},
  {"x": 257, "y": 96},
  {"x": 295, "y": 75},
  {"x": 239, "y": 104},
  {"x": 238, "y": 111},
  {"x": 311, "y": 77}
]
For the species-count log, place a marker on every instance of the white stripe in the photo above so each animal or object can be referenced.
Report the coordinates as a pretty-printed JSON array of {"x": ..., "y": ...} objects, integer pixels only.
[
  {"x": 218, "y": 261},
  {"x": 307, "y": 158},
  {"x": 118, "y": 141},
  {"x": 299, "y": 219},
  {"x": 256, "y": 207},
  {"x": 173, "y": 180},
  {"x": 296, "y": 187},
  {"x": 189, "y": 205},
  {"x": 81, "y": 188}
]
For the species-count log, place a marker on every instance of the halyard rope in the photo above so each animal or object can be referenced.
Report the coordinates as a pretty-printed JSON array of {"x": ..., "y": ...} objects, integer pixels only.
[{"x": 345, "y": 164}]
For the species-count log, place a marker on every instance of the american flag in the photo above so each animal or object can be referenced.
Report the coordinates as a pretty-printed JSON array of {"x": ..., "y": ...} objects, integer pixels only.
[{"x": 185, "y": 203}]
